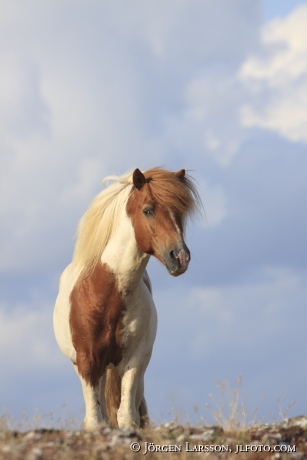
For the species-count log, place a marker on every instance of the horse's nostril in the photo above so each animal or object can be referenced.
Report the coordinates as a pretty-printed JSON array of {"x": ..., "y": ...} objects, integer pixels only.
[{"x": 172, "y": 254}]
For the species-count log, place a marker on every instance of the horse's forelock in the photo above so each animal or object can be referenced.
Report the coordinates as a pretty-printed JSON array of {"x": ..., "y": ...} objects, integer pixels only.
[{"x": 172, "y": 192}]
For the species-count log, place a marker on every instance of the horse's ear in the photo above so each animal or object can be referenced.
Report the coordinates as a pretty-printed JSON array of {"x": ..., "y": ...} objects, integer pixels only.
[
  {"x": 180, "y": 174},
  {"x": 138, "y": 179}
]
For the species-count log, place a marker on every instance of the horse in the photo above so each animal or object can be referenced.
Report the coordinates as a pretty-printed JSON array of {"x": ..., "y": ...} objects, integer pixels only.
[{"x": 104, "y": 318}]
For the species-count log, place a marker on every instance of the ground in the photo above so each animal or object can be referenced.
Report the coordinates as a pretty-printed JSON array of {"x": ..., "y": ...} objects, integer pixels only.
[{"x": 287, "y": 440}]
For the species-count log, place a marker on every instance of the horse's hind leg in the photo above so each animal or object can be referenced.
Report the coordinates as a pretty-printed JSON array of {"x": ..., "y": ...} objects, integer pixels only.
[
  {"x": 141, "y": 403},
  {"x": 93, "y": 415},
  {"x": 102, "y": 399},
  {"x": 144, "y": 418},
  {"x": 112, "y": 395}
]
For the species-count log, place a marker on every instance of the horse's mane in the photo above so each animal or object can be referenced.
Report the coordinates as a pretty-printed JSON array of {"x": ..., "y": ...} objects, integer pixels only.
[{"x": 101, "y": 219}]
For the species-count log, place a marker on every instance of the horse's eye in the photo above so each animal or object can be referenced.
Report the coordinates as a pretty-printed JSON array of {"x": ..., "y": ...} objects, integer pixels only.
[{"x": 148, "y": 212}]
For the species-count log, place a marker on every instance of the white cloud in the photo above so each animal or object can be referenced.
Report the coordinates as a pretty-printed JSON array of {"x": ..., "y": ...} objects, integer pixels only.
[
  {"x": 93, "y": 91},
  {"x": 26, "y": 337},
  {"x": 277, "y": 79}
]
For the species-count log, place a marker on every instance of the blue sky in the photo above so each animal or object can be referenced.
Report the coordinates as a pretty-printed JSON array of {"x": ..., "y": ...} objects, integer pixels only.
[
  {"x": 279, "y": 8},
  {"x": 219, "y": 88}
]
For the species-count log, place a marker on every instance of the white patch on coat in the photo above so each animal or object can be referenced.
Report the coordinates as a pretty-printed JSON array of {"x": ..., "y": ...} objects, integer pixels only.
[{"x": 61, "y": 312}]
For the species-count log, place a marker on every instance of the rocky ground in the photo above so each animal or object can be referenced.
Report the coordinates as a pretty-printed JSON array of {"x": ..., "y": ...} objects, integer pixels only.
[{"x": 287, "y": 440}]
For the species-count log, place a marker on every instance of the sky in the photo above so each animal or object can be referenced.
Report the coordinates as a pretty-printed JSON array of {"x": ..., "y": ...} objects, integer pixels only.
[{"x": 90, "y": 89}]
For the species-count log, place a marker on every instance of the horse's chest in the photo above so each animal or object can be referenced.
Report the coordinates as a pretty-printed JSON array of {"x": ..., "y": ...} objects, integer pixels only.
[
  {"x": 106, "y": 324},
  {"x": 139, "y": 318},
  {"x": 96, "y": 322}
]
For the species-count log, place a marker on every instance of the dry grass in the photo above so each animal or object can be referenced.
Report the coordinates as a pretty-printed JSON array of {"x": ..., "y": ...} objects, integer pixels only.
[
  {"x": 26, "y": 440},
  {"x": 229, "y": 408}
]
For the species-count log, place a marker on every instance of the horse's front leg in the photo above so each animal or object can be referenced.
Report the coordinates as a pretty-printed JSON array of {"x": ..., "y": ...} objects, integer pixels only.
[
  {"x": 94, "y": 407},
  {"x": 128, "y": 415}
]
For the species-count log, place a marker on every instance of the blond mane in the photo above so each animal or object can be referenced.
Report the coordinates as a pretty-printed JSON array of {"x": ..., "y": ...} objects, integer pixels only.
[
  {"x": 101, "y": 219},
  {"x": 99, "y": 222}
]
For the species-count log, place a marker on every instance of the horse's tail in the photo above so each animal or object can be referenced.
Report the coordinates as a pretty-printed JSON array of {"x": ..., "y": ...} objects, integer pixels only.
[{"x": 112, "y": 396}]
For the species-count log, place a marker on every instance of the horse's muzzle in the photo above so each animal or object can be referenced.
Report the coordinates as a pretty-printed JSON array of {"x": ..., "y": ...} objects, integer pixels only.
[{"x": 177, "y": 260}]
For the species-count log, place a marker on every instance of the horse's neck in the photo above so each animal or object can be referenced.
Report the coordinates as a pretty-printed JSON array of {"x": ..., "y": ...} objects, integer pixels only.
[{"x": 123, "y": 256}]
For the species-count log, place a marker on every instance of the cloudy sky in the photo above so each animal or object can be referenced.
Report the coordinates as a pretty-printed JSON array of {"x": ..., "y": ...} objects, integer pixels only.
[{"x": 89, "y": 89}]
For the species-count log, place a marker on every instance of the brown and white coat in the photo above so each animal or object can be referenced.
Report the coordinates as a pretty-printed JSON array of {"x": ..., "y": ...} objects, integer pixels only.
[{"x": 105, "y": 319}]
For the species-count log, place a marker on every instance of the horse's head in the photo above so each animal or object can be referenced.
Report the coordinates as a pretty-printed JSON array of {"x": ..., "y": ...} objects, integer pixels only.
[{"x": 158, "y": 207}]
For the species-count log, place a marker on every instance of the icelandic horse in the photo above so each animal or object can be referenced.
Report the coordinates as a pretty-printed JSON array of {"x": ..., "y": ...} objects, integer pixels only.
[{"x": 105, "y": 319}]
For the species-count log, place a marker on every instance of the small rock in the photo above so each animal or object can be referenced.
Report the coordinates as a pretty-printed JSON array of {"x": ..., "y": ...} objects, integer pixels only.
[
  {"x": 300, "y": 421},
  {"x": 105, "y": 430},
  {"x": 298, "y": 456},
  {"x": 35, "y": 454},
  {"x": 127, "y": 433},
  {"x": 7, "y": 448},
  {"x": 32, "y": 435},
  {"x": 114, "y": 440},
  {"x": 158, "y": 428},
  {"x": 205, "y": 436},
  {"x": 272, "y": 437},
  {"x": 167, "y": 425},
  {"x": 181, "y": 438}
]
